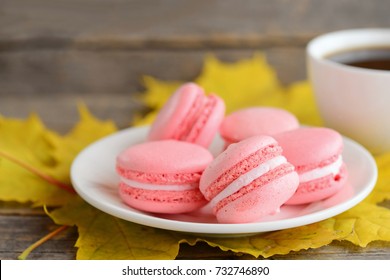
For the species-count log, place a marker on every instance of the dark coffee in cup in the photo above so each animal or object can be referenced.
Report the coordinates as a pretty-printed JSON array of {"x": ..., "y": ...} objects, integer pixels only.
[{"x": 370, "y": 58}]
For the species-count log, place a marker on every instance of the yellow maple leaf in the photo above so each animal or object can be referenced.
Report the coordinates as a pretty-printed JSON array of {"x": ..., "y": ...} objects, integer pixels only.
[
  {"x": 249, "y": 81},
  {"x": 367, "y": 222},
  {"x": 47, "y": 153},
  {"x": 360, "y": 225},
  {"x": 382, "y": 187},
  {"x": 66, "y": 148},
  {"x": 102, "y": 236},
  {"x": 282, "y": 241},
  {"x": 27, "y": 141}
]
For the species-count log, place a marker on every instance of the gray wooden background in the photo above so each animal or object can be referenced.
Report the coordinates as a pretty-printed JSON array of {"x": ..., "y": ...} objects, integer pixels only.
[{"x": 54, "y": 53}]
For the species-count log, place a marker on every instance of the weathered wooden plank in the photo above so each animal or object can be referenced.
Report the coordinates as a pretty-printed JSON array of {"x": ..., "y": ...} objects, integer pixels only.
[
  {"x": 51, "y": 83},
  {"x": 54, "y": 53},
  {"x": 18, "y": 232},
  {"x": 335, "y": 251},
  {"x": 59, "y": 72},
  {"x": 59, "y": 111},
  {"x": 57, "y": 53},
  {"x": 26, "y": 24}
]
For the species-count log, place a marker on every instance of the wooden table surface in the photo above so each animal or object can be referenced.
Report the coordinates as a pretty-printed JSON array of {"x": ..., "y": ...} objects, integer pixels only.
[{"x": 54, "y": 53}]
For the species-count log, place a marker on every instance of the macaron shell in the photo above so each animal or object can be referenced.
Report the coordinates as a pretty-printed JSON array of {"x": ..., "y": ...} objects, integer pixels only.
[
  {"x": 210, "y": 122},
  {"x": 189, "y": 115},
  {"x": 319, "y": 189},
  {"x": 167, "y": 202},
  {"x": 260, "y": 202},
  {"x": 165, "y": 157},
  {"x": 174, "y": 111},
  {"x": 239, "y": 195},
  {"x": 231, "y": 157},
  {"x": 310, "y": 147},
  {"x": 159, "y": 164},
  {"x": 253, "y": 121}
]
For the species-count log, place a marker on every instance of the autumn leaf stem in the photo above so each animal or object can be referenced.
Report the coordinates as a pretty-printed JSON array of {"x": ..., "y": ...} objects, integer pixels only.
[
  {"x": 35, "y": 171},
  {"x": 47, "y": 237}
]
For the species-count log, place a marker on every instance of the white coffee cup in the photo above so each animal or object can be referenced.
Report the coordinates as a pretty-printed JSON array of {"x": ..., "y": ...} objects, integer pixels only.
[{"x": 352, "y": 100}]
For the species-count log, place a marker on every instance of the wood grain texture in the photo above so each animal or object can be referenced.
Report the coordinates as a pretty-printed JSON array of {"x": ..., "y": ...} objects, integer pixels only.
[
  {"x": 54, "y": 54},
  {"x": 17, "y": 233},
  {"x": 177, "y": 24},
  {"x": 51, "y": 83}
]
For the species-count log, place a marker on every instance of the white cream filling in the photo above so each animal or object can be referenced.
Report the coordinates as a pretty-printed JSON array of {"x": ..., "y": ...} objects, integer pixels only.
[
  {"x": 153, "y": 187},
  {"x": 333, "y": 168},
  {"x": 247, "y": 178}
]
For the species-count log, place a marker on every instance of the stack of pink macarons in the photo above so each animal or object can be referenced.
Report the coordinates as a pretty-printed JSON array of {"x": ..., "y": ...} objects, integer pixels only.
[{"x": 269, "y": 160}]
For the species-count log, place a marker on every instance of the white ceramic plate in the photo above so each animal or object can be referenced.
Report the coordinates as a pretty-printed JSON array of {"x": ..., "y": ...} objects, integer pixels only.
[{"x": 95, "y": 180}]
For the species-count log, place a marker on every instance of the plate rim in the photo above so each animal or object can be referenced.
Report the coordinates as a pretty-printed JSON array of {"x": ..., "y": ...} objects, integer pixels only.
[{"x": 149, "y": 219}]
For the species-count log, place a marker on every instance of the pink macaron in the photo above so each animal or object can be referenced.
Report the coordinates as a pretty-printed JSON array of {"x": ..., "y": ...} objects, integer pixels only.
[
  {"x": 316, "y": 154},
  {"x": 162, "y": 176},
  {"x": 252, "y": 121},
  {"x": 189, "y": 115},
  {"x": 249, "y": 180}
]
